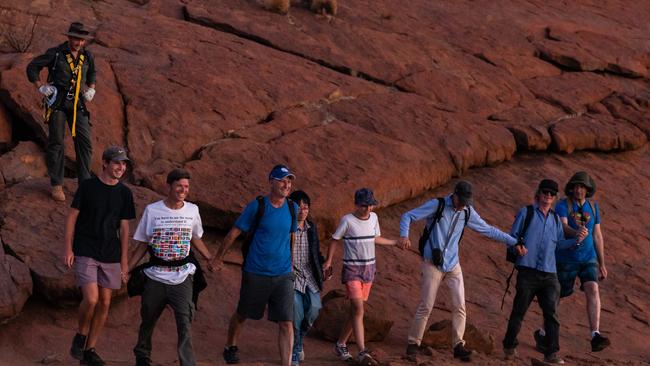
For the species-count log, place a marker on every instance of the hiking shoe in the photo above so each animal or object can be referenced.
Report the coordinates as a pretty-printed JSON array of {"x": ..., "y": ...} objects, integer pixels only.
[
  {"x": 57, "y": 193},
  {"x": 599, "y": 343},
  {"x": 231, "y": 355},
  {"x": 341, "y": 351},
  {"x": 540, "y": 341},
  {"x": 78, "y": 346},
  {"x": 142, "y": 361},
  {"x": 509, "y": 354},
  {"x": 553, "y": 358},
  {"x": 91, "y": 358},
  {"x": 463, "y": 353},
  {"x": 365, "y": 359},
  {"x": 412, "y": 351}
]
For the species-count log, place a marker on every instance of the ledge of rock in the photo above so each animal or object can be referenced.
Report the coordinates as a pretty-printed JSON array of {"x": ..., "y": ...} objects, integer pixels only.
[{"x": 15, "y": 286}]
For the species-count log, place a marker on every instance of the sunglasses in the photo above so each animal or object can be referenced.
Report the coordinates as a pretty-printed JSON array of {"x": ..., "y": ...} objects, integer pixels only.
[{"x": 548, "y": 192}]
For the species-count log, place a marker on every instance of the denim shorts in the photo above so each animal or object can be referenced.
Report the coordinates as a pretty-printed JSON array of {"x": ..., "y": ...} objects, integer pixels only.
[{"x": 568, "y": 272}]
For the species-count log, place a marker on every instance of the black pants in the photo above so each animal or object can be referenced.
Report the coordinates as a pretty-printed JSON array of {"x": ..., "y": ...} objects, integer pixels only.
[
  {"x": 154, "y": 299},
  {"x": 545, "y": 286},
  {"x": 83, "y": 146}
]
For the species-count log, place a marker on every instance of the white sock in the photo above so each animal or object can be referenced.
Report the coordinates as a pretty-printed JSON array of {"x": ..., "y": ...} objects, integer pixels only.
[
  {"x": 542, "y": 332},
  {"x": 594, "y": 332}
]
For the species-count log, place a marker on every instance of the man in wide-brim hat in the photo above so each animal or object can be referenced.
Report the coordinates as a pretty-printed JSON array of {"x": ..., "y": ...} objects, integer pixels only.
[
  {"x": 586, "y": 262},
  {"x": 70, "y": 85}
]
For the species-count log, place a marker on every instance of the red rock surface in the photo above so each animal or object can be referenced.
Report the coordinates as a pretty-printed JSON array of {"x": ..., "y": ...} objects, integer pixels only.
[
  {"x": 25, "y": 161},
  {"x": 399, "y": 96}
]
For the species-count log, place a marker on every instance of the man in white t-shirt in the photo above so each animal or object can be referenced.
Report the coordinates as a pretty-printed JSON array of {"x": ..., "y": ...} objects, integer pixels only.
[{"x": 168, "y": 230}]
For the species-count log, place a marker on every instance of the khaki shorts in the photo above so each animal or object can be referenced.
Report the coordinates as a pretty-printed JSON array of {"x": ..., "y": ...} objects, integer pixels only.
[{"x": 106, "y": 275}]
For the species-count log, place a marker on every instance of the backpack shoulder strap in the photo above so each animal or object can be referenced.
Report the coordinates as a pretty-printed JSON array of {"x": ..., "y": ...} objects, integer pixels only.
[
  {"x": 439, "y": 210},
  {"x": 530, "y": 210}
]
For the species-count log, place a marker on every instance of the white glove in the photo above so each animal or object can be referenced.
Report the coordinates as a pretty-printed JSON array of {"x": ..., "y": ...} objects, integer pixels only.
[
  {"x": 89, "y": 94},
  {"x": 47, "y": 90}
]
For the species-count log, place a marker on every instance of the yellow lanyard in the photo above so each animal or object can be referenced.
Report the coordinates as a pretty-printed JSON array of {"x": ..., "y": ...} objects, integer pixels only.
[{"x": 75, "y": 70}]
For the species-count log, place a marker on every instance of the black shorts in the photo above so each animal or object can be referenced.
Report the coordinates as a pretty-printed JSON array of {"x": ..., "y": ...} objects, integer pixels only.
[{"x": 258, "y": 291}]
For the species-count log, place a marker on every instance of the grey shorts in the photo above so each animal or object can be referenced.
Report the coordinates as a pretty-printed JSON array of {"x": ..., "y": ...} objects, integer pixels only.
[
  {"x": 106, "y": 275},
  {"x": 258, "y": 291}
]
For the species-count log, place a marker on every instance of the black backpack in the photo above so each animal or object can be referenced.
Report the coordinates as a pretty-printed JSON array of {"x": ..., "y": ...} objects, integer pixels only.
[
  {"x": 256, "y": 222},
  {"x": 426, "y": 232}
]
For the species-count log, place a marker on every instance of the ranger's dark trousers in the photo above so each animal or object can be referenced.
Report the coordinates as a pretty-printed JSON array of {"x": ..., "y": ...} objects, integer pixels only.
[
  {"x": 82, "y": 143},
  {"x": 155, "y": 297},
  {"x": 545, "y": 286}
]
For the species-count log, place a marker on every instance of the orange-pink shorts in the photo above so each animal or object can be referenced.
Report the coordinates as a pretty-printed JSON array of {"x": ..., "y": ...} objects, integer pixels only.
[{"x": 358, "y": 290}]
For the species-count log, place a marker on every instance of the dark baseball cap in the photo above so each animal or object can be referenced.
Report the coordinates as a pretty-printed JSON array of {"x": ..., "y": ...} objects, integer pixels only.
[
  {"x": 548, "y": 184},
  {"x": 279, "y": 172},
  {"x": 115, "y": 153},
  {"x": 365, "y": 197},
  {"x": 463, "y": 191}
]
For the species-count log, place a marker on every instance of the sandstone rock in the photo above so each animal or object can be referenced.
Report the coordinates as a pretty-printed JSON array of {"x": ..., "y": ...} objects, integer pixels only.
[
  {"x": 439, "y": 336},
  {"x": 599, "y": 132},
  {"x": 5, "y": 128},
  {"x": 335, "y": 311},
  {"x": 15, "y": 286},
  {"x": 25, "y": 161},
  {"x": 33, "y": 226}
]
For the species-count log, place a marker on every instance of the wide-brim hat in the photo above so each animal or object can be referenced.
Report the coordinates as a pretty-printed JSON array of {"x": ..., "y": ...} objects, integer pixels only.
[
  {"x": 580, "y": 178},
  {"x": 77, "y": 30}
]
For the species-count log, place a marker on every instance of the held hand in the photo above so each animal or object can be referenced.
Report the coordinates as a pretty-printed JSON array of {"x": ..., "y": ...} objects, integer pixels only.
[
  {"x": 403, "y": 242},
  {"x": 46, "y": 90},
  {"x": 582, "y": 234},
  {"x": 327, "y": 274},
  {"x": 89, "y": 94},
  {"x": 521, "y": 250},
  {"x": 603, "y": 272},
  {"x": 327, "y": 266},
  {"x": 215, "y": 265},
  {"x": 125, "y": 273},
  {"x": 68, "y": 258}
]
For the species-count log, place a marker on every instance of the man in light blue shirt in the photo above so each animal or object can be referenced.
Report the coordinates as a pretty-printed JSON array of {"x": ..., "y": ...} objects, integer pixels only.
[
  {"x": 440, "y": 260},
  {"x": 537, "y": 275}
]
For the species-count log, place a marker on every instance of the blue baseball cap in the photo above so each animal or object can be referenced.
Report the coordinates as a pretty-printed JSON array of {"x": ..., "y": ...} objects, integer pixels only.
[
  {"x": 279, "y": 172},
  {"x": 365, "y": 197}
]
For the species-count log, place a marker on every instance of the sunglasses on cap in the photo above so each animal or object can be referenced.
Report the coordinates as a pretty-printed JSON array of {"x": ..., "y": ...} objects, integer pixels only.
[{"x": 548, "y": 192}]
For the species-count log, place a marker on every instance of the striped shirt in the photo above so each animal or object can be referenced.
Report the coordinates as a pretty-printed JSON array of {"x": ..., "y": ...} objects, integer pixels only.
[{"x": 358, "y": 247}]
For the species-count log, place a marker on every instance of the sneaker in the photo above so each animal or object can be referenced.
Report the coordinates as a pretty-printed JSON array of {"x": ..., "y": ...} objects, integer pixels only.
[
  {"x": 231, "y": 355},
  {"x": 78, "y": 346},
  {"x": 365, "y": 359},
  {"x": 553, "y": 358},
  {"x": 91, "y": 358},
  {"x": 463, "y": 353},
  {"x": 142, "y": 361},
  {"x": 301, "y": 356},
  {"x": 540, "y": 341},
  {"x": 412, "y": 351},
  {"x": 509, "y": 354},
  {"x": 599, "y": 343},
  {"x": 57, "y": 193},
  {"x": 341, "y": 351}
]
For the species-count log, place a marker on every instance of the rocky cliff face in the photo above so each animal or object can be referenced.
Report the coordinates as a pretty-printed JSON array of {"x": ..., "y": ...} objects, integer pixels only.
[{"x": 403, "y": 97}]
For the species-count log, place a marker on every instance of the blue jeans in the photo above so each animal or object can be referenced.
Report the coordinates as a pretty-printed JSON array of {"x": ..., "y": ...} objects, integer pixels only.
[{"x": 305, "y": 311}]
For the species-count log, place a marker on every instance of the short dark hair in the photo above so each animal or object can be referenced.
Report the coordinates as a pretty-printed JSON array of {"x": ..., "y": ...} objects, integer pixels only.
[
  {"x": 177, "y": 174},
  {"x": 300, "y": 196}
]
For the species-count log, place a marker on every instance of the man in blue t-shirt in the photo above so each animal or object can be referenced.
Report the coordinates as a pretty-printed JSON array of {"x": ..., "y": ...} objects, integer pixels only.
[
  {"x": 587, "y": 261},
  {"x": 267, "y": 276}
]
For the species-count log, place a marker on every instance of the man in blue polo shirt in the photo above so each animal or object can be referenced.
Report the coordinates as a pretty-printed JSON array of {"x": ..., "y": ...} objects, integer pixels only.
[
  {"x": 267, "y": 276},
  {"x": 536, "y": 270},
  {"x": 586, "y": 262}
]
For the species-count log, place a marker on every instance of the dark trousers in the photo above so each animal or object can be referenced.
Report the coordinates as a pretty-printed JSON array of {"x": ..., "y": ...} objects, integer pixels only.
[
  {"x": 83, "y": 146},
  {"x": 545, "y": 286},
  {"x": 154, "y": 299}
]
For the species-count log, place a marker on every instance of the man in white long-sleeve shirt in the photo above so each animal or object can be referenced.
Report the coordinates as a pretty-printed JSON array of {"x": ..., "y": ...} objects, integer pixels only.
[{"x": 439, "y": 251}]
